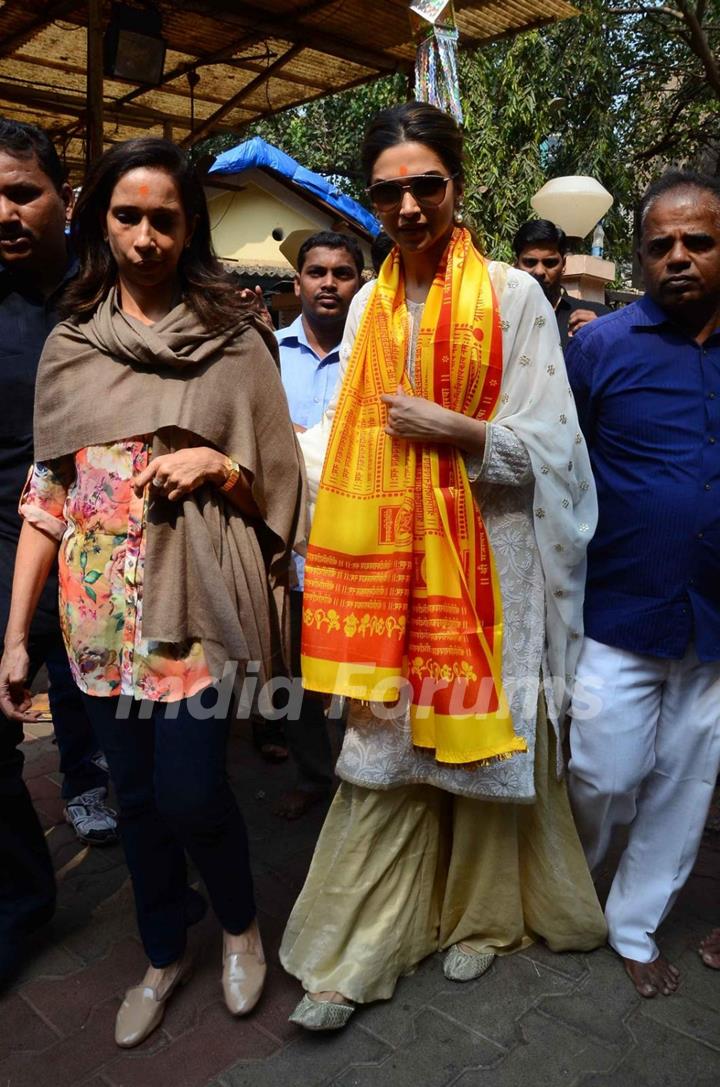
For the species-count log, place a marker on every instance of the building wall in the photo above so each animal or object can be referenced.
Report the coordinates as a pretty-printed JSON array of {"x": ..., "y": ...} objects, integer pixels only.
[
  {"x": 245, "y": 210},
  {"x": 242, "y": 224}
]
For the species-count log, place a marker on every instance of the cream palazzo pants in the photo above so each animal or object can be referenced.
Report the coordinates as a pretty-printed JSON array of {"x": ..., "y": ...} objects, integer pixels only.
[
  {"x": 645, "y": 743},
  {"x": 398, "y": 874}
]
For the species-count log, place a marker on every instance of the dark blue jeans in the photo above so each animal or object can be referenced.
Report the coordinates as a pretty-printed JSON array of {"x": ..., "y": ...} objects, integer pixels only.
[
  {"x": 76, "y": 741},
  {"x": 168, "y": 769}
]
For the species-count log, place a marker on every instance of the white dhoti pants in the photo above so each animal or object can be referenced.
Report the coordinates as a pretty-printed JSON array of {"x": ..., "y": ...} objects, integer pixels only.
[{"x": 645, "y": 751}]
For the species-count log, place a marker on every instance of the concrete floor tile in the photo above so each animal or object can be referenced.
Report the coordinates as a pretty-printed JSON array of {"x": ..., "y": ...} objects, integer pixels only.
[
  {"x": 39, "y": 762},
  {"x": 22, "y": 1028},
  {"x": 600, "y": 1003},
  {"x": 548, "y": 1055},
  {"x": 494, "y": 1003},
  {"x": 310, "y": 1060},
  {"x": 435, "y": 1054},
  {"x": 196, "y": 1057},
  {"x": 699, "y": 982},
  {"x": 686, "y": 1016},
  {"x": 565, "y": 1020},
  {"x": 393, "y": 1020},
  {"x": 91, "y": 927},
  {"x": 659, "y": 1058},
  {"x": 67, "y": 1002},
  {"x": 280, "y": 996},
  {"x": 68, "y": 1062},
  {"x": 568, "y": 963}
]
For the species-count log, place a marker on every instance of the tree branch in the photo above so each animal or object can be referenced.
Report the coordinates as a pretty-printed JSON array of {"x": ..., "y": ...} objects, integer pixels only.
[
  {"x": 643, "y": 9},
  {"x": 700, "y": 45}
]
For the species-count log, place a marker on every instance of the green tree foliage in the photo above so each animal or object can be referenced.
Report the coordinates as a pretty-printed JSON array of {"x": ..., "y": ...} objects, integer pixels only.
[
  {"x": 543, "y": 105},
  {"x": 619, "y": 92}
]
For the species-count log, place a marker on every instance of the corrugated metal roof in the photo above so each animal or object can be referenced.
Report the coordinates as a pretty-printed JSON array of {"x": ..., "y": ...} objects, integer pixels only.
[{"x": 252, "y": 60}]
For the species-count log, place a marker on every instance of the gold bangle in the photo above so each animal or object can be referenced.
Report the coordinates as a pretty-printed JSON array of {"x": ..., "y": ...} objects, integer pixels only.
[{"x": 232, "y": 477}]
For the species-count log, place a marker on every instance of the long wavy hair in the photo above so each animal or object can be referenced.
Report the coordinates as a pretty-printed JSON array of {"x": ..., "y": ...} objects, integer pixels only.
[{"x": 206, "y": 288}]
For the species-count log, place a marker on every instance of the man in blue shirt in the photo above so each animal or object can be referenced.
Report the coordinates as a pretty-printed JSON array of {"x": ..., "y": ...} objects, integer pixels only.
[
  {"x": 328, "y": 277},
  {"x": 645, "y": 737}
]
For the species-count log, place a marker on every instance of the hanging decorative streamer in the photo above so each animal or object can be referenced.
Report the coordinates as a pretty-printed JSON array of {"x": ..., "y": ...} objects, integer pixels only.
[{"x": 436, "y": 76}]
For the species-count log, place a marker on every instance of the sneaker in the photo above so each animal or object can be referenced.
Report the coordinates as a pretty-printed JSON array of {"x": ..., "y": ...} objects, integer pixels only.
[{"x": 92, "y": 820}]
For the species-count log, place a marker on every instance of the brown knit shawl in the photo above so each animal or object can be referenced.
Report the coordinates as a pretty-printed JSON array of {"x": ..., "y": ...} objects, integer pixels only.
[{"x": 211, "y": 573}]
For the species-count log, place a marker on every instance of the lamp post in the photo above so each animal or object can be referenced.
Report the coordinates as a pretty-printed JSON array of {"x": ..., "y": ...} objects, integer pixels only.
[{"x": 576, "y": 204}]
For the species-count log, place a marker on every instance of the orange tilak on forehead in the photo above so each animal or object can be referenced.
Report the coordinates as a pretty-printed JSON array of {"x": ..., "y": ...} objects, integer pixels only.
[
  {"x": 144, "y": 190},
  {"x": 403, "y": 171}
]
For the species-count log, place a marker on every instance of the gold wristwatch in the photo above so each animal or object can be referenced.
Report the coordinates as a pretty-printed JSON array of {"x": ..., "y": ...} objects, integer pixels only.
[{"x": 233, "y": 475}]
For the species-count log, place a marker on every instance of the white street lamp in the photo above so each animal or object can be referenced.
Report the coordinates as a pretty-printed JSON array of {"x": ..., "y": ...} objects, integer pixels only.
[{"x": 575, "y": 203}]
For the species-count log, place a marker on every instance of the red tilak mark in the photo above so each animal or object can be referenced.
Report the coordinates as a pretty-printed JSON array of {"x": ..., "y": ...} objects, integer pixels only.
[
  {"x": 403, "y": 171},
  {"x": 143, "y": 190}
]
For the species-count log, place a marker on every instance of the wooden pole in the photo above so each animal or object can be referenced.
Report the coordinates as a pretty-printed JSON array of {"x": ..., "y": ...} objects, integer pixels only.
[
  {"x": 94, "y": 115},
  {"x": 167, "y": 130}
]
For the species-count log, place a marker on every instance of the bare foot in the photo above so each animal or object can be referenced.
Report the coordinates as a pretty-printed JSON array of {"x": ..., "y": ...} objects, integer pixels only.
[
  {"x": 710, "y": 949},
  {"x": 245, "y": 942},
  {"x": 651, "y": 978},
  {"x": 330, "y": 997},
  {"x": 295, "y": 803}
]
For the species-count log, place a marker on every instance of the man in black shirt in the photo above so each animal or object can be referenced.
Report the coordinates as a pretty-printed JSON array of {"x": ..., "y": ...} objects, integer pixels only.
[
  {"x": 540, "y": 248},
  {"x": 34, "y": 266}
]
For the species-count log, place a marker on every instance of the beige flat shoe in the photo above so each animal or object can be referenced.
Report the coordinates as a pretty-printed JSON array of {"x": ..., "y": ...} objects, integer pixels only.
[
  {"x": 142, "y": 1010},
  {"x": 243, "y": 978}
]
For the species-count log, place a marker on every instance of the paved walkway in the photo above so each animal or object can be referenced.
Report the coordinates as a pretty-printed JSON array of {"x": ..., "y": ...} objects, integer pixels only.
[{"x": 536, "y": 1020}]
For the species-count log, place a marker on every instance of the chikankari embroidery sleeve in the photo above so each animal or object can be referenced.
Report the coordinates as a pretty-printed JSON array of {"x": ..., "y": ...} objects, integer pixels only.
[{"x": 505, "y": 460}]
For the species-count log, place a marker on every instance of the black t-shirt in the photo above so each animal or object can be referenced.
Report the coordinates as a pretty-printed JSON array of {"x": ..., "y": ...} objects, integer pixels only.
[
  {"x": 26, "y": 320},
  {"x": 568, "y": 305}
]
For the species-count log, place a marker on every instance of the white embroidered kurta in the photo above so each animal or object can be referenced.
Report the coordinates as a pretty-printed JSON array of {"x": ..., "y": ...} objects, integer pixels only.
[{"x": 535, "y": 490}]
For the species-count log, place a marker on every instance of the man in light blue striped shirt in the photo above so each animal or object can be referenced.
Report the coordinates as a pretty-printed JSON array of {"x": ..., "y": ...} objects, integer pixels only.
[{"x": 328, "y": 277}]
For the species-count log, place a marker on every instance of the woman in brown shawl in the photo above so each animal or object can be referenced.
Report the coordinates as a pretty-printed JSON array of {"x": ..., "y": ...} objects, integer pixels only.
[{"x": 167, "y": 475}]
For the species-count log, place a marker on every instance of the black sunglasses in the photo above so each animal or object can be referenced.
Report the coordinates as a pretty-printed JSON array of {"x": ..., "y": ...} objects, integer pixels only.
[{"x": 427, "y": 190}]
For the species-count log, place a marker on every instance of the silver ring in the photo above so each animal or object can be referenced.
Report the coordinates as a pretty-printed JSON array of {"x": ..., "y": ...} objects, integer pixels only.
[{"x": 159, "y": 483}]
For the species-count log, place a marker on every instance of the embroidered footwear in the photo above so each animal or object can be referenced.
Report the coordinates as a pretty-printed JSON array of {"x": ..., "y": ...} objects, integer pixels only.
[
  {"x": 460, "y": 965},
  {"x": 321, "y": 1014},
  {"x": 91, "y": 819}
]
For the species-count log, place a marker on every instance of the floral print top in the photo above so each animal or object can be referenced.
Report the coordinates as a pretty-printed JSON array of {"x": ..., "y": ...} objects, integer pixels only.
[{"x": 87, "y": 501}]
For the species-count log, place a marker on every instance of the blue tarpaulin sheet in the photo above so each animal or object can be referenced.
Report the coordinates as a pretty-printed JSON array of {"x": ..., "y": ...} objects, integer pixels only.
[{"x": 256, "y": 153}]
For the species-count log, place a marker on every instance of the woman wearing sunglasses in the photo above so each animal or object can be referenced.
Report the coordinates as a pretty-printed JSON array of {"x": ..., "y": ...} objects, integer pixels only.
[{"x": 443, "y": 594}]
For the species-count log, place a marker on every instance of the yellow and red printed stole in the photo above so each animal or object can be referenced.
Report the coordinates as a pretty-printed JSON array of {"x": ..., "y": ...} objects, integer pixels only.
[{"x": 400, "y": 584}]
